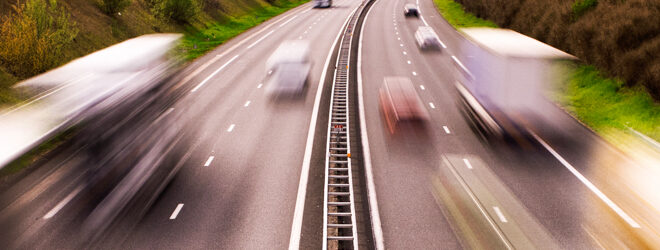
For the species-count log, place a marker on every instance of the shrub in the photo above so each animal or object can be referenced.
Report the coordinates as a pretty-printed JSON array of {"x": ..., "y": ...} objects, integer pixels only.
[
  {"x": 33, "y": 36},
  {"x": 114, "y": 6},
  {"x": 181, "y": 11},
  {"x": 581, "y": 6}
]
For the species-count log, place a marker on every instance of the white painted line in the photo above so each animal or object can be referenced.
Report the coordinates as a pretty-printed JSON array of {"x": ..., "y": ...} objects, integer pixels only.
[
  {"x": 395, "y": 28},
  {"x": 405, "y": 53},
  {"x": 260, "y": 39},
  {"x": 446, "y": 129},
  {"x": 432, "y": 105},
  {"x": 398, "y": 38},
  {"x": 231, "y": 128},
  {"x": 208, "y": 162},
  {"x": 247, "y": 104},
  {"x": 477, "y": 203},
  {"x": 296, "y": 225},
  {"x": 214, "y": 73},
  {"x": 409, "y": 62},
  {"x": 467, "y": 163},
  {"x": 305, "y": 32},
  {"x": 422, "y": 87},
  {"x": 371, "y": 186},
  {"x": 414, "y": 73},
  {"x": 401, "y": 44},
  {"x": 63, "y": 203},
  {"x": 259, "y": 86},
  {"x": 500, "y": 214},
  {"x": 300, "y": 38},
  {"x": 176, "y": 211},
  {"x": 588, "y": 183},
  {"x": 290, "y": 19}
]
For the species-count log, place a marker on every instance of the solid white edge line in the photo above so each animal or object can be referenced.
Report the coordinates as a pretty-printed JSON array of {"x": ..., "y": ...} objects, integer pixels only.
[
  {"x": 500, "y": 214},
  {"x": 371, "y": 186},
  {"x": 587, "y": 183},
  {"x": 176, "y": 211},
  {"x": 296, "y": 225},
  {"x": 260, "y": 39},
  {"x": 208, "y": 162},
  {"x": 214, "y": 73}
]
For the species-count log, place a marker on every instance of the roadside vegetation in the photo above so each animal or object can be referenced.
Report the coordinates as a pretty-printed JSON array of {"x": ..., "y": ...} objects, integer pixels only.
[
  {"x": 38, "y": 35},
  {"x": 607, "y": 105}
]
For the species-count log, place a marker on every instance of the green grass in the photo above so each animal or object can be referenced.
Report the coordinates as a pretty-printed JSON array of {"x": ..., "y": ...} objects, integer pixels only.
[
  {"x": 197, "y": 43},
  {"x": 604, "y": 103},
  {"x": 456, "y": 16}
]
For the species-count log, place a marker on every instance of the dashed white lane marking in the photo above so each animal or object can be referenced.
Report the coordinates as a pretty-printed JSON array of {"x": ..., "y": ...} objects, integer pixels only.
[
  {"x": 247, "y": 104},
  {"x": 446, "y": 129},
  {"x": 467, "y": 163},
  {"x": 260, "y": 39},
  {"x": 300, "y": 38},
  {"x": 214, "y": 73},
  {"x": 231, "y": 128},
  {"x": 401, "y": 44},
  {"x": 259, "y": 86},
  {"x": 500, "y": 214},
  {"x": 409, "y": 62},
  {"x": 291, "y": 19},
  {"x": 432, "y": 105},
  {"x": 588, "y": 183},
  {"x": 176, "y": 211},
  {"x": 398, "y": 38},
  {"x": 208, "y": 162},
  {"x": 414, "y": 73},
  {"x": 422, "y": 87},
  {"x": 62, "y": 203},
  {"x": 405, "y": 53}
]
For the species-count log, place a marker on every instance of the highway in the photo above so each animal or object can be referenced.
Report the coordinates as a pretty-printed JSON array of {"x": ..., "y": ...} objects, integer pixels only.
[
  {"x": 251, "y": 174},
  {"x": 446, "y": 188}
]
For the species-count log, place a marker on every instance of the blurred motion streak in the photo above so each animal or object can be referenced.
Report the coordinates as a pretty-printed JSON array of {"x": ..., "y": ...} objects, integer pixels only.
[
  {"x": 127, "y": 144},
  {"x": 288, "y": 69}
]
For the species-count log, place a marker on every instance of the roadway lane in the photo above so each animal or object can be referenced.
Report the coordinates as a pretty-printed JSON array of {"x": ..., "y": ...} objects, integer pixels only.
[
  {"x": 239, "y": 189},
  {"x": 443, "y": 187}
]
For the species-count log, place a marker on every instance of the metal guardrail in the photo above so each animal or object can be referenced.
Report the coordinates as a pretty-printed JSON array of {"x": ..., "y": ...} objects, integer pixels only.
[{"x": 339, "y": 222}]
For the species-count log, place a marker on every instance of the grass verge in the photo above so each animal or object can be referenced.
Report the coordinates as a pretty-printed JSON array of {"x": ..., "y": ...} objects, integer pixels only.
[
  {"x": 454, "y": 13},
  {"x": 197, "y": 43},
  {"x": 604, "y": 104}
]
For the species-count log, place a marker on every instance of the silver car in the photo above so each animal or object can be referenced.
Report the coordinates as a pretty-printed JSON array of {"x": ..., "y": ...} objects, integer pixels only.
[{"x": 427, "y": 39}]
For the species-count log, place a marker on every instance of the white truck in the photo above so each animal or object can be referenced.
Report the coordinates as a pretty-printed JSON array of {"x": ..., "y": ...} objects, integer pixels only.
[
  {"x": 322, "y": 3},
  {"x": 503, "y": 79}
]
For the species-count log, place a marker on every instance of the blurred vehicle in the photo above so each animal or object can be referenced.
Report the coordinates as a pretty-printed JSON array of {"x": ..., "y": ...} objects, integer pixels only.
[
  {"x": 322, "y": 3},
  {"x": 400, "y": 103},
  {"x": 502, "y": 81},
  {"x": 288, "y": 68},
  {"x": 427, "y": 39},
  {"x": 410, "y": 10}
]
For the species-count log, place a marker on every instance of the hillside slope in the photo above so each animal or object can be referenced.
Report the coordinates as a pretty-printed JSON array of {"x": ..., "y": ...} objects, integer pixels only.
[{"x": 94, "y": 29}]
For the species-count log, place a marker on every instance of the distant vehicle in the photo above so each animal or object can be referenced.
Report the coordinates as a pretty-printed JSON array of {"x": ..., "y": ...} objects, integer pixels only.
[
  {"x": 400, "y": 103},
  {"x": 501, "y": 82},
  {"x": 427, "y": 39},
  {"x": 288, "y": 68},
  {"x": 410, "y": 10},
  {"x": 322, "y": 3}
]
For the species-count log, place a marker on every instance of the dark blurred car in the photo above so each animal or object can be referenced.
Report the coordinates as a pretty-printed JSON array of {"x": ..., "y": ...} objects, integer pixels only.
[
  {"x": 411, "y": 10},
  {"x": 400, "y": 103}
]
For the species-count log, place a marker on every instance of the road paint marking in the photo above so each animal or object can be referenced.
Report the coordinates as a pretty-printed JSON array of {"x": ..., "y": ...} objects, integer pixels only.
[
  {"x": 405, "y": 53},
  {"x": 259, "y": 86},
  {"x": 446, "y": 129},
  {"x": 395, "y": 28},
  {"x": 305, "y": 32},
  {"x": 260, "y": 39},
  {"x": 296, "y": 225},
  {"x": 247, "y": 104},
  {"x": 477, "y": 203},
  {"x": 214, "y": 73},
  {"x": 397, "y": 33},
  {"x": 290, "y": 19},
  {"x": 401, "y": 44},
  {"x": 422, "y": 87},
  {"x": 371, "y": 186},
  {"x": 300, "y": 38},
  {"x": 231, "y": 128},
  {"x": 208, "y": 162},
  {"x": 500, "y": 214},
  {"x": 398, "y": 38},
  {"x": 409, "y": 62},
  {"x": 176, "y": 211},
  {"x": 414, "y": 73},
  {"x": 432, "y": 105},
  {"x": 467, "y": 163},
  {"x": 587, "y": 183},
  {"x": 63, "y": 203}
]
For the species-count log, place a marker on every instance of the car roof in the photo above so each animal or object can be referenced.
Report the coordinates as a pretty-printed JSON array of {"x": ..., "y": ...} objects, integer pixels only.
[{"x": 404, "y": 97}]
